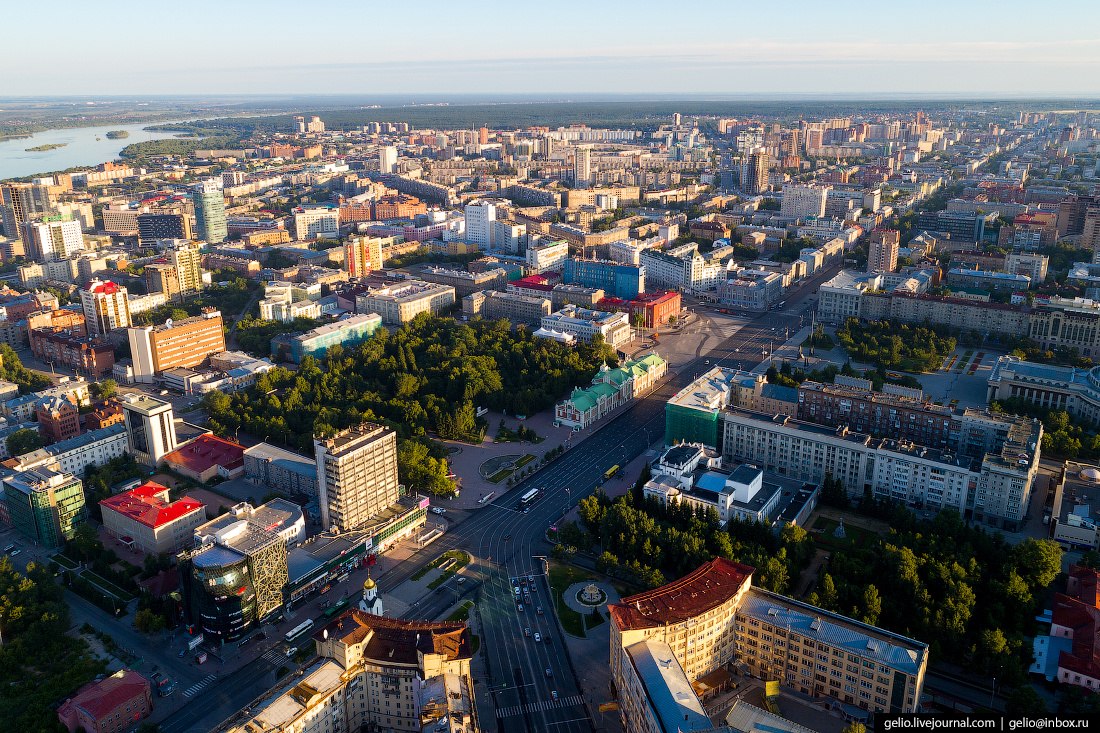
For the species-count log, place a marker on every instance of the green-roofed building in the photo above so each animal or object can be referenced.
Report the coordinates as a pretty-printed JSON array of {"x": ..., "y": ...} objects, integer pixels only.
[{"x": 610, "y": 389}]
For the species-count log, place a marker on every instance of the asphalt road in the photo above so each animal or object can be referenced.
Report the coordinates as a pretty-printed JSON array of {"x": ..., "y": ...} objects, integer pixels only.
[{"x": 505, "y": 543}]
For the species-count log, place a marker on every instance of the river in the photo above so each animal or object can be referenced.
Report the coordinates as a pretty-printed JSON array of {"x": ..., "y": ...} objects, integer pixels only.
[{"x": 84, "y": 146}]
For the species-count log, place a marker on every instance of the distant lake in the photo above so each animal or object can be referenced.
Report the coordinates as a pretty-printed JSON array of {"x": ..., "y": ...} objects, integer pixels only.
[{"x": 81, "y": 148}]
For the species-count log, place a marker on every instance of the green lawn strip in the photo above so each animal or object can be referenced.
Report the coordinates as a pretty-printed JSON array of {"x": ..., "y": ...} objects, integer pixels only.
[
  {"x": 65, "y": 562},
  {"x": 500, "y": 475},
  {"x": 107, "y": 585},
  {"x": 524, "y": 460},
  {"x": 460, "y": 557}
]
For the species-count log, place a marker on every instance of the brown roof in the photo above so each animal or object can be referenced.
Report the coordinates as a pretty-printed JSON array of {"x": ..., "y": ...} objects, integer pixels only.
[
  {"x": 701, "y": 590},
  {"x": 399, "y": 640},
  {"x": 99, "y": 699}
]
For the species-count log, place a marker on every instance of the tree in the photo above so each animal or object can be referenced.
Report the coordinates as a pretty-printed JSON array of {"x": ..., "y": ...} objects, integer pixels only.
[
  {"x": 1025, "y": 701},
  {"x": 872, "y": 605},
  {"x": 1038, "y": 561},
  {"x": 104, "y": 390},
  {"x": 854, "y": 727},
  {"x": 24, "y": 441},
  {"x": 148, "y": 622}
]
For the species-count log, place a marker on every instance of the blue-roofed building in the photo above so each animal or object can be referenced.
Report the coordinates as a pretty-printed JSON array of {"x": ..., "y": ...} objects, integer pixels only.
[
  {"x": 1077, "y": 391},
  {"x": 988, "y": 280},
  {"x": 282, "y": 470}
]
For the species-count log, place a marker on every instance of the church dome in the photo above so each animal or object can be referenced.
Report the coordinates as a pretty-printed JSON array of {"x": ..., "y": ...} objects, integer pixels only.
[{"x": 369, "y": 584}]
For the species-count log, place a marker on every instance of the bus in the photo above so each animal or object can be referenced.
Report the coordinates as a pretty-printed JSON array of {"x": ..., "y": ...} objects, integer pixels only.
[
  {"x": 529, "y": 498},
  {"x": 298, "y": 631},
  {"x": 609, "y": 473},
  {"x": 337, "y": 607}
]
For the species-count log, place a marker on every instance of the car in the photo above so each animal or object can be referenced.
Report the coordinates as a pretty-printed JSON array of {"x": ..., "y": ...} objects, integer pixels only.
[
  {"x": 549, "y": 672},
  {"x": 292, "y": 651},
  {"x": 520, "y": 607},
  {"x": 517, "y": 590},
  {"x": 530, "y": 578},
  {"x": 438, "y": 510},
  {"x": 527, "y": 631},
  {"x": 554, "y": 694},
  {"x": 182, "y": 654},
  {"x": 461, "y": 579},
  {"x": 538, "y": 610},
  {"x": 538, "y": 637},
  {"x": 13, "y": 553}
]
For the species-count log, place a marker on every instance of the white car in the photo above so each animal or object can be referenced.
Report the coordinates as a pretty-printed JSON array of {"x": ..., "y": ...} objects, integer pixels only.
[
  {"x": 438, "y": 510},
  {"x": 538, "y": 637}
]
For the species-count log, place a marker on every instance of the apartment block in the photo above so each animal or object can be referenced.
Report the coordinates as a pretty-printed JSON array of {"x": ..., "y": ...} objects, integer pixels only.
[
  {"x": 401, "y": 303},
  {"x": 356, "y": 475},
  {"x": 584, "y": 325},
  {"x": 187, "y": 343},
  {"x": 465, "y": 282},
  {"x": 491, "y": 305}
]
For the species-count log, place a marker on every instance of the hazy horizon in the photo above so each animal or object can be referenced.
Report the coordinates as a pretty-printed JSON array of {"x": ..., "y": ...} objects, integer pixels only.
[{"x": 972, "y": 49}]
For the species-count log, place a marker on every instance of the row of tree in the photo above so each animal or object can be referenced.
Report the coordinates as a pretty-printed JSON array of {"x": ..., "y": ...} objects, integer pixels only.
[{"x": 896, "y": 345}]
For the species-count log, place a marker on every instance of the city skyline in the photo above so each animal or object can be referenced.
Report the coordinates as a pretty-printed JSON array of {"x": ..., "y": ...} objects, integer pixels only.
[{"x": 952, "y": 49}]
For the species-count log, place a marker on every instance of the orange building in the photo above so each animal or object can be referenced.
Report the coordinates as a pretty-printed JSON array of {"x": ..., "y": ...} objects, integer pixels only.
[
  {"x": 398, "y": 206},
  {"x": 58, "y": 419},
  {"x": 116, "y": 703}
]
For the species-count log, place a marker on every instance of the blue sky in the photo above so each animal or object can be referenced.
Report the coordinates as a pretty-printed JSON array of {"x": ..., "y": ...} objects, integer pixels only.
[{"x": 486, "y": 46}]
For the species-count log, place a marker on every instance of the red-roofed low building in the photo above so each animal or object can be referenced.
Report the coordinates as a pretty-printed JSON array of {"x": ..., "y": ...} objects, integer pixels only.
[
  {"x": 111, "y": 705},
  {"x": 208, "y": 456},
  {"x": 1076, "y": 616},
  {"x": 146, "y": 517}
]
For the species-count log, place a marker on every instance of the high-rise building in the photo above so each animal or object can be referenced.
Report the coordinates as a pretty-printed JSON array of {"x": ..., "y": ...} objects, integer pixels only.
[
  {"x": 210, "y": 210},
  {"x": 186, "y": 258},
  {"x": 356, "y": 475},
  {"x": 754, "y": 172},
  {"x": 150, "y": 428},
  {"x": 362, "y": 255},
  {"x": 387, "y": 159},
  {"x": 20, "y": 202},
  {"x": 582, "y": 166},
  {"x": 803, "y": 201},
  {"x": 45, "y": 505},
  {"x": 1090, "y": 231},
  {"x": 483, "y": 136},
  {"x": 185, "y": 343},
  {"x": 106, "y": 306},
  {"x": 46, "y": 240},
  {"x": 315, "y": 124},
  {"x": 882, "y": 250},
  {"x": 480, "y": 216}
]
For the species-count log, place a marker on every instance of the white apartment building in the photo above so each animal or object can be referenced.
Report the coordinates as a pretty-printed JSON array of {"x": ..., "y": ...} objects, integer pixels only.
[
  {"x": 839, "y": 298},
  {"x": 508, "y": 237},
  {"x": 53, "y": 240},
  {"x": 387, "y": 159},
  {"x": 800, "y": 202},
  {"x": 106, "y": 307},
  {"x": 547, "y": 257},
  {"x": 586, "y": 324},
  {"x": 582, "y": 166},
  {"x": 480, "y": 216},
  {"x": 317, "y": 222}
]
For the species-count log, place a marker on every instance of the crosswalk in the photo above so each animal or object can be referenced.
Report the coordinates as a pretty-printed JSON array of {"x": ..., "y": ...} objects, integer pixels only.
[
  {"x": 199, "y": 686},
  {"x": 534, "y": 707},
  {"x": 274, "y": 656}
]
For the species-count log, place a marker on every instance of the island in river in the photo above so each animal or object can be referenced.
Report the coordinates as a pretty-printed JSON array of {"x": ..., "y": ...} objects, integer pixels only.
[
  {"x": 47, "y": 146},
  {"x": 117, "y": 134}
]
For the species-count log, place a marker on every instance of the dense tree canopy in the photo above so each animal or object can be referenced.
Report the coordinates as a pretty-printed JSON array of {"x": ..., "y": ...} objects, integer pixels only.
[
  {"x": 896, "y": 345},
  {"x": 40, "y": 664},
  {"x": 24, "y": 441},
  {"x": 12, "y": 369},
  {"x": 425, "y": 379}
]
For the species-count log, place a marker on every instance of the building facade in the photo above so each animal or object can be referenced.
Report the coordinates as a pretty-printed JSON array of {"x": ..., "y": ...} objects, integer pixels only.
[
  {"x": 187, "y": 343},
  {"x": 356, "y": 475},
  {"x": 106, "y": 307},
  {"x": 45, "y": 505},
  {"x": 148, "y": 518}
]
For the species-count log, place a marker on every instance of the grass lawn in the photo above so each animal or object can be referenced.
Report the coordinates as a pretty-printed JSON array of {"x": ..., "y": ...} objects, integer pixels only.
[
  {"x": 64, "y": 562},
  {"x": 107, "y": 585},
  {"x": 525, "y": 460},
  {"x": 462, "y": 613},
  {"x": 500, "y": 475},
  {"x": 461, "y": 559},
  {"x": 854, "y": 536},
  {"x": 561, "y": 577}
]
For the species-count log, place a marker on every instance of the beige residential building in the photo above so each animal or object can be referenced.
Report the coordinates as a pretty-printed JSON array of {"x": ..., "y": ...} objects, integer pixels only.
[
  {"x": 398, "y": 304},
  {"x": 673, "y": 645},
  {"x": 105, "y": 305},
  {"x": 491, "y": 305}
]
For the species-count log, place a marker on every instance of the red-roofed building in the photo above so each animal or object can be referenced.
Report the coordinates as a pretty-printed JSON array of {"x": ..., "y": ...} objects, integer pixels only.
[
  {"x": 1076, "y": 616},
  {"x": 146, "y": 517},
  {"x": 111, "y": 705},
  {"x": 651, "y": 310},
  {"x": 208, "y": 456}
]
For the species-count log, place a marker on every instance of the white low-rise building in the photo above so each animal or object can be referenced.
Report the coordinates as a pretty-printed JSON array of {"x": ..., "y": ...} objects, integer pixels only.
[{"x": 586, "y": 324}]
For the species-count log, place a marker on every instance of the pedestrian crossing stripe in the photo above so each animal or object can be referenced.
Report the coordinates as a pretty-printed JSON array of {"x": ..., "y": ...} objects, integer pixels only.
[
  {"x": 534, "y": 707},
  {"x": 198, "y": 686},
  {"x": 274, "y": 656}
]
